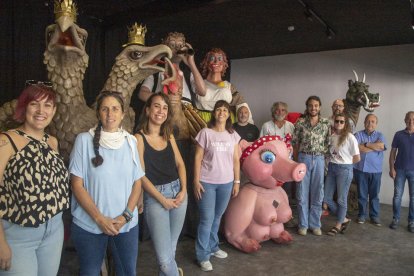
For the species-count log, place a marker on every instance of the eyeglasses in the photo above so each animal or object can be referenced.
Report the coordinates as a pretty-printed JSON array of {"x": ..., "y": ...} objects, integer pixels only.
[
  {"x": 338, "y": 106},
  {"x": 36, "y": 82},
  {"x": 339, "y": 122}
]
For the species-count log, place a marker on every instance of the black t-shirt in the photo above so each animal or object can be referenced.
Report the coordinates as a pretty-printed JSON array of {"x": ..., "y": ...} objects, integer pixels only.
[{"x": 248, "y": 132}]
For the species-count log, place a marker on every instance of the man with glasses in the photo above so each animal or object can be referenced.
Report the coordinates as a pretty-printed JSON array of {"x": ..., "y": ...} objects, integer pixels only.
[
  {"x": 368, "y": 171},
  {"x": 338, "y": 107}
]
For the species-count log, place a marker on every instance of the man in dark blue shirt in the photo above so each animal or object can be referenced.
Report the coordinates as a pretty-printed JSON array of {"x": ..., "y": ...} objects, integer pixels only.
[{"x": 402, "y": 168}]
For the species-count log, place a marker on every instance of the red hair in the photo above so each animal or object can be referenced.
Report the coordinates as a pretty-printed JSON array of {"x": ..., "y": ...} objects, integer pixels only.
[
  {"x": 205, "y": 62},
  {"x": 33, "y": 92}
]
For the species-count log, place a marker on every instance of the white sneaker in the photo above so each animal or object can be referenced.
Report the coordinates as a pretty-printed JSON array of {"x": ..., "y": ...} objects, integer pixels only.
[
  {"x": 220, "y": 254},
  {"x": 206, "y": 266}
]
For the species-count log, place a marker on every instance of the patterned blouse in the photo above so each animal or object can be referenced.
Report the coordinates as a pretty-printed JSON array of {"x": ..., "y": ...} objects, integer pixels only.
[
  {"x": 35, "y": 184},
  {"x": 312, "y": 139}
]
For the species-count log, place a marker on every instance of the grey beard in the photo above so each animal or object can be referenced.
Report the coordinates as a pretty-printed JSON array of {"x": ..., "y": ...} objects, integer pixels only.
[{"x": 278, "y": 118}]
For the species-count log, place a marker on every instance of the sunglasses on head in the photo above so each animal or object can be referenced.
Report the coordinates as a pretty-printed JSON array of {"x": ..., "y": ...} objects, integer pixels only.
[
  {"x": 339, "y": 121},
  {"x": 108, "y": 92},
  {"x": 36, "y": 82}
]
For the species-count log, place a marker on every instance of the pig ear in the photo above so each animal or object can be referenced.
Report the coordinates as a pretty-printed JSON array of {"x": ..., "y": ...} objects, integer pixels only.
[{"x": 243, "y": 144}]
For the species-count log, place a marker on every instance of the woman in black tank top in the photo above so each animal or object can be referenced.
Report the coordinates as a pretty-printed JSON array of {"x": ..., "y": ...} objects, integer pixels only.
[{"x": 164, "y": 183}]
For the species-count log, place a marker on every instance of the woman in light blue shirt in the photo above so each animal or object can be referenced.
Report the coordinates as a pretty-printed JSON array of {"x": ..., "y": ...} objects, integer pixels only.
[{"x": 105, "y": 177}]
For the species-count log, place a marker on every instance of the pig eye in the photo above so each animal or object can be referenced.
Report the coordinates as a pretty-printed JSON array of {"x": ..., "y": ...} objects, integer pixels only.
[{"x": 267, "y": 156}]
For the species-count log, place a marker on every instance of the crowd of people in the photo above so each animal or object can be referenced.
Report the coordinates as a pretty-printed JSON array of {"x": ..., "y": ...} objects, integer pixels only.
[{"x": 114, "y": 175}]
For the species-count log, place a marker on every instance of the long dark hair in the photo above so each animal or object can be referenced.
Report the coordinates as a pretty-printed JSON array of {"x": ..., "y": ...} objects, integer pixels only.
[
  {"x": 98, "y": 160},
  {"x": 166, "y": 127},
  {"x": 345, "y": 131},
  {"x": 213, "y": 121}
]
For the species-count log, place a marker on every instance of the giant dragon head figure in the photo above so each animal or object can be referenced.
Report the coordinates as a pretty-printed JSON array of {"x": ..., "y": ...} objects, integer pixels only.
[{"x": 359, "y": 96}]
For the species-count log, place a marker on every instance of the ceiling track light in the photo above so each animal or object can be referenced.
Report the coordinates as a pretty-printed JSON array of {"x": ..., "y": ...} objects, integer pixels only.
[
  {"x": 311, "y": 14},
  {"x": 329, "y": 33},
  {"x": 308, "y": 15}
]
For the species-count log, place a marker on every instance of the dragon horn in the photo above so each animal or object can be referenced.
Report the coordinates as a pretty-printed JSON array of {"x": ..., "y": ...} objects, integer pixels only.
[
  {"x": 363, "y": 80},
  {"x": 356, "y": 76}
]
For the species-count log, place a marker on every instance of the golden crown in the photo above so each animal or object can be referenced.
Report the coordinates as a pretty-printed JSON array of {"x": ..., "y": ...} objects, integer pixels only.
[
  {"x": 136, "y": 35},
  {"x": 65, "y": 7}
]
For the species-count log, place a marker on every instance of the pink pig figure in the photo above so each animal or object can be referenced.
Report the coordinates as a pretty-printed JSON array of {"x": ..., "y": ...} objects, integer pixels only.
[{"x": 258, "y": 212}]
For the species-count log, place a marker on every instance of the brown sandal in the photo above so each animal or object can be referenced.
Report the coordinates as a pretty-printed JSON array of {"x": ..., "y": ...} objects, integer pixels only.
[
  {"x": 333, "y": 231},
  {"x": 345, "y": 226}
]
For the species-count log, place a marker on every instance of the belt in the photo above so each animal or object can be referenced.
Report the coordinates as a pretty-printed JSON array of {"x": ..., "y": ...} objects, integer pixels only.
[{"x": 312, "y": 153}]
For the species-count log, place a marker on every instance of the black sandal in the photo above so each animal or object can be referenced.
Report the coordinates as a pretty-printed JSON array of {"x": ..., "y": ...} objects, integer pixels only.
[
  {"x": 345, "y": 226},
  {"x": 334, "y": 231}
]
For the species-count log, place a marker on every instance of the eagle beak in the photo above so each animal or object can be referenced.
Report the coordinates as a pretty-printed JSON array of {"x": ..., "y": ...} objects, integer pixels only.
[{"x": 64, "y": 22}]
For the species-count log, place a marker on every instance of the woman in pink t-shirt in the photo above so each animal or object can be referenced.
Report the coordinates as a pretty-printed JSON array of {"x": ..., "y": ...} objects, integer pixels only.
[{"x": 216, "y": 178}]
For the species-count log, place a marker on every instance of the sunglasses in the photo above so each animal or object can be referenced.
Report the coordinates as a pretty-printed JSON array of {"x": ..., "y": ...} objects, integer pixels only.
[
  {"x": 108, "y": 92},
  {"x": 339, "y": 122},
  {"x": 36, "y": 82}
]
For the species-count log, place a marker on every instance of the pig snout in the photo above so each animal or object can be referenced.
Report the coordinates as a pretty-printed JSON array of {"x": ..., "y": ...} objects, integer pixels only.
[
  {"x": 298, "y": 172},
  {"x": 286, "y": 170}
]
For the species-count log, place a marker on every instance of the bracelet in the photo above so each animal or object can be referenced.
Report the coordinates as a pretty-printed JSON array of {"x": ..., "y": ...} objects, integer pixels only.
[
  {"x": 127, "y": 217},
  {"x": 236, "y": 181},
  {"x": 129, "y": 212}
]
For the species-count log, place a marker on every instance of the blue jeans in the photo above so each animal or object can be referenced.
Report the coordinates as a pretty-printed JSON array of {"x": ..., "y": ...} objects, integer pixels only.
[
  {"x": 368, "y": 186},
  {"x": 91, "y": 249},
  {"x": 339, "y": 178},
  {"x": 35, "y": 251},
  {"x": 165, "y": 226},
  {"x": 399, "y": 183},
  {"x": 211, "y": 206},
  {"x": 309, "y": 193}
]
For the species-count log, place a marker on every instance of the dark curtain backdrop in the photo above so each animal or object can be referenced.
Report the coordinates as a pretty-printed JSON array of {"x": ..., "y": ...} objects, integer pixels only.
[{"x": 22, "y": 43}]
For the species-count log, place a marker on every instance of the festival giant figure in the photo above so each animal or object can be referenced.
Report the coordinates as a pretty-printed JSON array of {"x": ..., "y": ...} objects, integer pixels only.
[
  {"x": 213, "y": 69},
  {"x": 257, "y": 214},
  {"x": 184, "y": 118}
]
